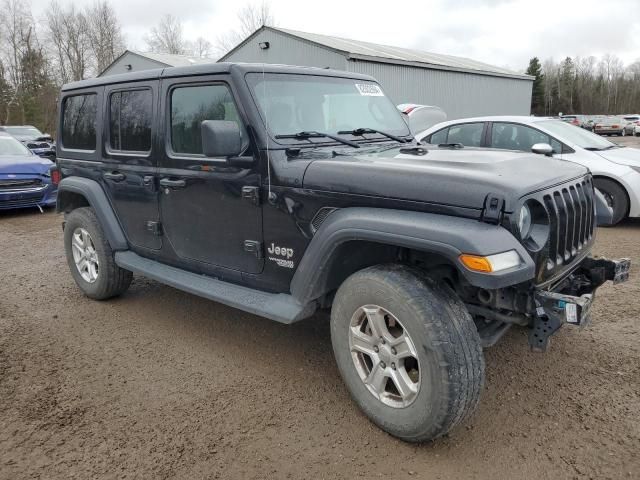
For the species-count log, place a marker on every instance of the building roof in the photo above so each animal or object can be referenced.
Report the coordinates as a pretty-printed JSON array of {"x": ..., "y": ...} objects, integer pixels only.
[
  {"x": 357, "y": 49},
  {"x": 163, "y": 59},
  {"x": 171, "y": 60}
]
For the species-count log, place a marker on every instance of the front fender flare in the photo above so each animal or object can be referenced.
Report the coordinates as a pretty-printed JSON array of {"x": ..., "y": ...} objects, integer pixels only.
[
  {"x": 442, "y": 234},
  {"x": 94, "y": 194}
]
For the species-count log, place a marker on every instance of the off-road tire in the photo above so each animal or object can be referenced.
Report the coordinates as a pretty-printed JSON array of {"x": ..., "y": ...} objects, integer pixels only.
[
  {"x": 446, "y": 340},
  {"x": 112, "y": 280},
  {"x": 617, "y": 197}
]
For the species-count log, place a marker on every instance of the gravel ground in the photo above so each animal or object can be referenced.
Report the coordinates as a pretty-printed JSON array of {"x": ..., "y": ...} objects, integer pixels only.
[{"x": 162, "y": 384}]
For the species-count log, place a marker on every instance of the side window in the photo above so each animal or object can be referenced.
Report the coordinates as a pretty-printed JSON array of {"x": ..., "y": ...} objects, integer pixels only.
[
  {"x": 556, "y": 145},
  {"x": 190, "y": 106},
  {"x": 439, "y": 137},
  {"x": 130, "y": 114},
  {"x": 511, "y": 136},
  {"x": 79, "y": 122},
  {"x": 468, "y": 134}
]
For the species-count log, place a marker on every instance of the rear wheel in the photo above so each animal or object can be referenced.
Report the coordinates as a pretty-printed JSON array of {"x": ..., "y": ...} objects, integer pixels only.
[
  {"x": 90, "y": 257},
  {"x": 615, "y": 196},
  {"x": 407, "y": 350}
]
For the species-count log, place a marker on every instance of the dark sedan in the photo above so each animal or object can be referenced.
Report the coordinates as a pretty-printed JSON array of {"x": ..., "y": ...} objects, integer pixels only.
[{"x": 41, "y": 144}]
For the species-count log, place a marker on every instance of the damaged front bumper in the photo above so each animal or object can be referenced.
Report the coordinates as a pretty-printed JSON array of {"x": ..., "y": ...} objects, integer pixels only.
[{"x": 570, "y": 301}]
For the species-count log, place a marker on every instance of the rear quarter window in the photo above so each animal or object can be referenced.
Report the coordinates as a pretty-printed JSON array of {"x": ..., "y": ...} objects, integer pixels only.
[{"x": 79, "y": 122}]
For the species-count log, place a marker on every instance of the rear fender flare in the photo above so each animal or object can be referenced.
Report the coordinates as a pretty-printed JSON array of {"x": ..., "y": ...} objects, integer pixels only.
[
  {"x": 97, "y": 199},
  {"x": 441, "y": 234}
]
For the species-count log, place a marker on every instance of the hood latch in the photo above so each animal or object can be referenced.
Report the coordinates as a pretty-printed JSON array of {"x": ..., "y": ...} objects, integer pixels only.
[{"x": 493, "y": 208}]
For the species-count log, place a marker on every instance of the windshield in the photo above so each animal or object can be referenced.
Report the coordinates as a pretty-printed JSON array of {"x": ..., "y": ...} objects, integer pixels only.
[
  {"x": 305, "y": 103},
  {"x": 576, "y": 135},
  {"x": 11, "y": 146},
  {"x": 24, "y": 133}
]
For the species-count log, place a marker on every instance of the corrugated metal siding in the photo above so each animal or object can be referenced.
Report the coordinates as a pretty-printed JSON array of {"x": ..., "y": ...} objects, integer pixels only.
[
  {"x": 286, "y": 50},
  {"x": 458, "y": 94}
]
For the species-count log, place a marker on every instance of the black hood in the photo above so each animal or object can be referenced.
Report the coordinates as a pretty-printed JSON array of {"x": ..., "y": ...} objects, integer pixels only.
[{"x": 442, "y": 176}]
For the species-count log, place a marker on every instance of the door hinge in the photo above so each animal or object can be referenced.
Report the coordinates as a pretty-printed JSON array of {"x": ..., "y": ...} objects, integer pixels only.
[
  {"x": 253, "y": 247},
  {"x": 252, "y": 194},
  {"x": 154, "y": 227},
  {"x": 493, "y": 208}
]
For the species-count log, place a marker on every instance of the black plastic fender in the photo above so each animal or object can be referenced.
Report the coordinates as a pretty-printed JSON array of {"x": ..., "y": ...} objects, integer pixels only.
[
  {"x": 93, "y": 192},
  {"x": 445, "y": 235}
]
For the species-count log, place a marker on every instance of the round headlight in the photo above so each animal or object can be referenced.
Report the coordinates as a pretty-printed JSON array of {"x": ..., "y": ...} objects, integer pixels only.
[{"x": 524, "y": 222}]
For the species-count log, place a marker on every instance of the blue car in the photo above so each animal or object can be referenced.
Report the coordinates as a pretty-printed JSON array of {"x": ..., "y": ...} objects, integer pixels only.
[{"x": 25, "y": 178}]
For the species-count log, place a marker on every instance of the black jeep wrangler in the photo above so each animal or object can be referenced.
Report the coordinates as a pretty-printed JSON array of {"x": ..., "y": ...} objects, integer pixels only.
[{"x": 284, "y": 190}]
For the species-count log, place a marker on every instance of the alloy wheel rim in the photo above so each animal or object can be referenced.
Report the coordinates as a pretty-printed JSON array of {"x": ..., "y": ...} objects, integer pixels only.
[
  {"x": 85, "y": 256},
  {"x": 384, "y": 356}
]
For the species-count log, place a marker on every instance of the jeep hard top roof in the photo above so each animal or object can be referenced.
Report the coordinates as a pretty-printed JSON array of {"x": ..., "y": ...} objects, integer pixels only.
[{"x": 210, "y": 69}]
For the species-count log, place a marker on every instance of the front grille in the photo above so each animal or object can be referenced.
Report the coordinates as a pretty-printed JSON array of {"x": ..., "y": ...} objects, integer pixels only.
[
  {"x": 22, "y": 202},
  {"x": 571, "y": 221},
  {"x": 19, "y": 184}
]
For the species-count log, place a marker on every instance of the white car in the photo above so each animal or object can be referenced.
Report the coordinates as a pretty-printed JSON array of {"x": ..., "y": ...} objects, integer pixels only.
[{"x": 616, "y": 169}]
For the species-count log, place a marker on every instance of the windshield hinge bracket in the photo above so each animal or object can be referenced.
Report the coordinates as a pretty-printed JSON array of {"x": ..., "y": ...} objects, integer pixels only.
[
  {"x": 252, "y": 194},
  {"x": 253, "y": 247}
]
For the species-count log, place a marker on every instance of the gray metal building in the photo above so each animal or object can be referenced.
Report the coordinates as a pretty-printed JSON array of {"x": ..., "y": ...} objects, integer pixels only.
[{"x": 460, "y": 86}]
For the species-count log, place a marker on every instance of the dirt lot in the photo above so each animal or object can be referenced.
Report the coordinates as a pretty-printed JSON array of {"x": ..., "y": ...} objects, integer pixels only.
[{"x": 162, "y": 384}]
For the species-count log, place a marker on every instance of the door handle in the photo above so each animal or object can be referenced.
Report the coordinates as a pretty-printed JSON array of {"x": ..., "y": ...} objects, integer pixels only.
[
  {"x": 115, "y": 176},
  {"x": 168, "y": 182}
]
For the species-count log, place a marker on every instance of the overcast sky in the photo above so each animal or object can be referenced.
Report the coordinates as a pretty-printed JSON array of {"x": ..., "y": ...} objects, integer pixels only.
[{"x": 501, "y": 32}]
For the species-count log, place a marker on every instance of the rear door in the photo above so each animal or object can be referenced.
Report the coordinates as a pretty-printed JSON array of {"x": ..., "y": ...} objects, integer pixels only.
[
  {"x": 130, "y": 159},
  {"x": 210, "y": 210}
]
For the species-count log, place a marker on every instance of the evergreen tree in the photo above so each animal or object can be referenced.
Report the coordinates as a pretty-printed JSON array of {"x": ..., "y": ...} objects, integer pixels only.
[{"x": 537, "y": 95}]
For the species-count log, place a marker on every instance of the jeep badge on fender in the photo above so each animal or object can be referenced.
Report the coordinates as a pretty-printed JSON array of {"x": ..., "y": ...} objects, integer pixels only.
[{"x": 423, "y": 254}]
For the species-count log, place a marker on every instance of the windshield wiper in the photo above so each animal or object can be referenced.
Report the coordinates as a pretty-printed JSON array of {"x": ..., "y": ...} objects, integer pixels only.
[
  {"x": 312, "y": 134},
  {"x": 358, "y": 132},
  {"x": 600, "y": 149},
  {"x": 450, "y": 145}
]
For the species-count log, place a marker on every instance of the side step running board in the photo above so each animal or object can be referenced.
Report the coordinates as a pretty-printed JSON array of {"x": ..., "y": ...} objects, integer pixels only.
[{"x": 280, "y": 307}]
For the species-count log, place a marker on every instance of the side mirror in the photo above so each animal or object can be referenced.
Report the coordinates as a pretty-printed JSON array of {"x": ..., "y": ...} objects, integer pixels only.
[
  {"x": 542, "y": 149},
  {"x": 220, "y": 138}
]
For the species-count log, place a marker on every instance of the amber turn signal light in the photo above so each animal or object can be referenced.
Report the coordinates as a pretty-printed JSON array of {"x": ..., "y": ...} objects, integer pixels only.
[{"x": 476, "y": 263}]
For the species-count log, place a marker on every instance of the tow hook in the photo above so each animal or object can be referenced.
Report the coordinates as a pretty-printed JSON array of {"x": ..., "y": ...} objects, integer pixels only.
[{"x": 552, "y": 311}]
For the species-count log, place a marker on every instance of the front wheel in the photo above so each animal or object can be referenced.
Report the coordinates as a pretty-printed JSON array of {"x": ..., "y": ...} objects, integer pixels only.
[
  {"x": 408, "y": 351},
  {"x": 90, "y": 257}
]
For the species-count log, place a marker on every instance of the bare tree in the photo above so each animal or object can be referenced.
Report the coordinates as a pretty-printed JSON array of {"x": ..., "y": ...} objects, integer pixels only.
[
  {"x": 16, "y": 29},
  {"x": 201, "y": 48},
  {"x": 167, "y": 37},
  {"x": 104, "y": 34},
  {"x": 250, "y": 18},
  {"x": 68, "y": 35}
]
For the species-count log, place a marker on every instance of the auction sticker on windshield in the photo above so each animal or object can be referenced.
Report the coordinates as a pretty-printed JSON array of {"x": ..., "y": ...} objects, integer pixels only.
[{"x": 369, "y": 90}]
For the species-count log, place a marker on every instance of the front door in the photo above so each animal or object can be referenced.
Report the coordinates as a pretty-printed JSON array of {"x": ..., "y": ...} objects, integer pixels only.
[
  {"x": 206, "y": 208},
  {"x": 129, "y": 160}
]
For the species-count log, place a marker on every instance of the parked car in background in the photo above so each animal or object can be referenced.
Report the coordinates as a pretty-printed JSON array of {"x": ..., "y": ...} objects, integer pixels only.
[
  {"x": 616, "y": 169},
  {"x": 632, "y": 121},
  {"x": 41, "y": 144},
  {"x": 576, "y": 120},
  {"x": 610, "y": 126},
  {"x": 421, "y": 117},
  {"x": 590, "y": 121},
  {"x": 26, "y": 180}
]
